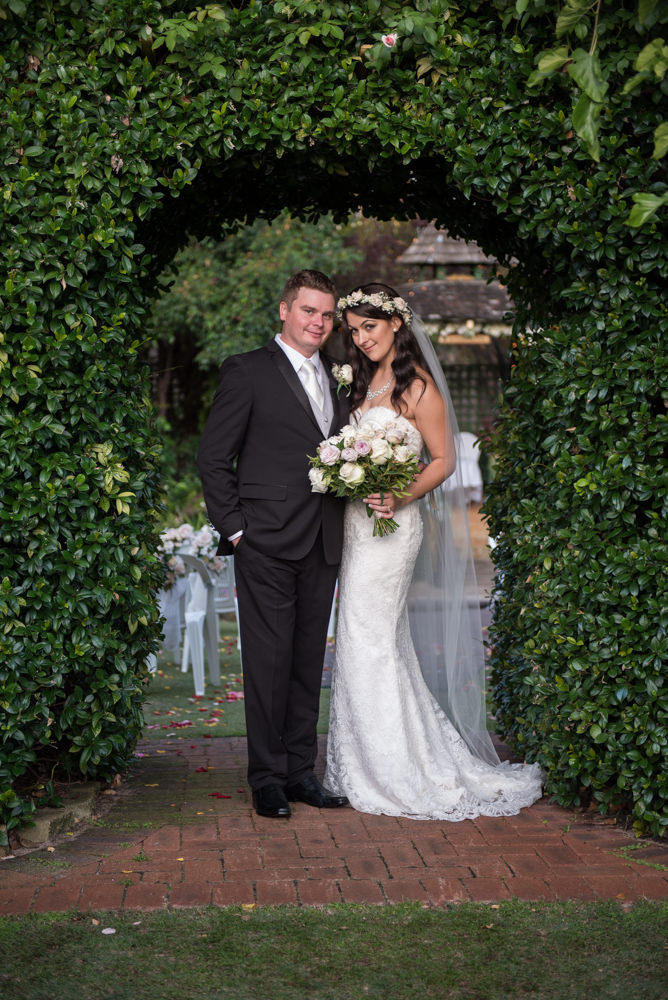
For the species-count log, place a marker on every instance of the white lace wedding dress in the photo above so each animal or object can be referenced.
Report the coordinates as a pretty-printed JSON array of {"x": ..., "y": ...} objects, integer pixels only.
[{"x": 390, "y": 747}]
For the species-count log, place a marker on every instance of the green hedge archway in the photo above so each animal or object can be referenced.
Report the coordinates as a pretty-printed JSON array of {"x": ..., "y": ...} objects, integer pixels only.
[{"x": 126, "y": 126}]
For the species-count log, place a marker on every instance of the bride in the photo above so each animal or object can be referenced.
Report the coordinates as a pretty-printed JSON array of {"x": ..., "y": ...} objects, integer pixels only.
[{"x": 407, "y": 732}]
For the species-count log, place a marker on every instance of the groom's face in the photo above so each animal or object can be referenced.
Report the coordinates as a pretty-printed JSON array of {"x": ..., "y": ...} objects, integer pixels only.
[{"x": 308, "y": 321}]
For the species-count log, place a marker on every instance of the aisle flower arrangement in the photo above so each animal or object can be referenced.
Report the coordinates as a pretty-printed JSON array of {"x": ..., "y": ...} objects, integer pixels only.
[{"x": 186, "y": 540}]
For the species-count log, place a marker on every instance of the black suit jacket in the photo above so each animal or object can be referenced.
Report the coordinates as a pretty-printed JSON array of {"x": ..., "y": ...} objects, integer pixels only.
[{"x": 253, "y": 458}]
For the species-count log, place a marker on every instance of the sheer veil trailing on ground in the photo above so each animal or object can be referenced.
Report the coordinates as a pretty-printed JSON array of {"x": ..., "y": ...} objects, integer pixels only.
[{"x": 443, "y": 600}]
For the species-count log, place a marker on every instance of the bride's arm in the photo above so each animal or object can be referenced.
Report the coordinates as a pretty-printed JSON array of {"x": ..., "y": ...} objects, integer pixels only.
[{"x": 431, "y": 419}]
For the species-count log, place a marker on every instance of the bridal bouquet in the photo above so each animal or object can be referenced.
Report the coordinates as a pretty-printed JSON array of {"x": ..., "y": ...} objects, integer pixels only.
[{"x": 362, "y": 460}]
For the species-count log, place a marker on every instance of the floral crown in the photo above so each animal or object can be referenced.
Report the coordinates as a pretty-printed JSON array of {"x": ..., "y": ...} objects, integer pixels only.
[{"x": 379, "y": 300}]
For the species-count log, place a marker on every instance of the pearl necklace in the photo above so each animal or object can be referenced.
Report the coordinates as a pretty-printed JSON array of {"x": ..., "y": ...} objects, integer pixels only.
[{"x": 379, "y": 392}]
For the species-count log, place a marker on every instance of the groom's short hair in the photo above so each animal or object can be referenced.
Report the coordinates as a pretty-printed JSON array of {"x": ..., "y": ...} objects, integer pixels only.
[{"x": 306, "y": 279}]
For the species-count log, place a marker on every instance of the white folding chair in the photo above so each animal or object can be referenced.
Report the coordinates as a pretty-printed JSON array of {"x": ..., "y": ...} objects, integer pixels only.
[
  {"x": 226, "y": 594},
  {"x": 201, "y": 625},
  {"x": 468, "y": 461}
]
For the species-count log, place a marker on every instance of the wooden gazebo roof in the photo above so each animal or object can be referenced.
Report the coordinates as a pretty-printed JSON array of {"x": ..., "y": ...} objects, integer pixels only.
[
  {"x": 434, "y": 247},
  {"x": 457, "y": 300}
]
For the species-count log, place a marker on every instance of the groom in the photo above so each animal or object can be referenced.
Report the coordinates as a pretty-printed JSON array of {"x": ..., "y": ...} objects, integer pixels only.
[{"x": 271, "y": 409}]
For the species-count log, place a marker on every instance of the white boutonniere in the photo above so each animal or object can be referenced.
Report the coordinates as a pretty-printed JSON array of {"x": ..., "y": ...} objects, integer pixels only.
[{"x": 344, "y": 377}]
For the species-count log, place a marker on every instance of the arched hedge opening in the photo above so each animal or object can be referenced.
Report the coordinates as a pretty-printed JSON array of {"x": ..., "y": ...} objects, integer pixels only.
[{"x": 128, "y": 126}]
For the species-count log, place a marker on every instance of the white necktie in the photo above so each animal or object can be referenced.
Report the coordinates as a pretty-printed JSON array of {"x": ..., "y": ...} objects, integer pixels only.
[{"x": 310, "y": 382}]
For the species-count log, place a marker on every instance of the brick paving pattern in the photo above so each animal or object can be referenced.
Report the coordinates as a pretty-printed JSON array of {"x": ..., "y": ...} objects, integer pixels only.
[{"x": 180, "y": 832}]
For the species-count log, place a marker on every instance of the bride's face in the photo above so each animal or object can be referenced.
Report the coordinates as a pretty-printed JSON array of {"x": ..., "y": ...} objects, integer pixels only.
[{"x": 374, "y": 337}]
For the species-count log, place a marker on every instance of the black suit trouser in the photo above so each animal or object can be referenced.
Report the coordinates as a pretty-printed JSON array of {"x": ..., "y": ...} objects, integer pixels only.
[{"x": 284, "y": 608}]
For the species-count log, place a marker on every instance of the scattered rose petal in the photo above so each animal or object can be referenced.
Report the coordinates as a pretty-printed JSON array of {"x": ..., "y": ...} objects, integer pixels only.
[
  {"x": 201, "y": 770},
  {"x": 108, "y": 930},
  {"x": 217, "y": 795},
  {"x": 151, "y": 786}
]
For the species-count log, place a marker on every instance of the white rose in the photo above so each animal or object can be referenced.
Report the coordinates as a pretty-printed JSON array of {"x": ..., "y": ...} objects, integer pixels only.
[
  {"x": 351, "y": 473},
  {"x": 342, "y": 374},
  {"x": 402, "y": 453},
  {"x": 319, "y": 480},
  {"x": 204, "y": 538},
  {"x": 394, "y": 434},
  {"x": 329, "y": 454},
  {"x": 348, "y": 434},
  {"x": 381, "y": 451}
]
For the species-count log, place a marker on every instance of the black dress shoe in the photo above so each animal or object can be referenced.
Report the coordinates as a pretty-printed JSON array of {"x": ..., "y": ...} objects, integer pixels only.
[
  {"x": 270, "y": 801},
  {"x": 310, "y": 790}
]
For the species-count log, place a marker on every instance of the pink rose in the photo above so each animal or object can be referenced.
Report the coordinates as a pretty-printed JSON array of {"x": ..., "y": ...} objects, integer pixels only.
[
  {"x": 362, "y": 447},
  {"x": 349, "y": 454},
  {"x": 329, "y": 454},
  {"x": 389, "y": 41}
]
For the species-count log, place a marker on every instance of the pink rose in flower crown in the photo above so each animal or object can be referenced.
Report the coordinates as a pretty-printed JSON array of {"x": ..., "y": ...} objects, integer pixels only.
[{"x": 389, "y": 41}]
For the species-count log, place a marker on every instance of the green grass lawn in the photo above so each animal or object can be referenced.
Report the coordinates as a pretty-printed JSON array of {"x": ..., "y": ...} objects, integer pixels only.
[
  {"x": 172, "y": 709},
  {"x": 513, "y": 951}
]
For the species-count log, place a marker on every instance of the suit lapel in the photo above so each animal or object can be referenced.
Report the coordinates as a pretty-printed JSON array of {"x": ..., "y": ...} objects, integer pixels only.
[{"x": 281, "y": 361}]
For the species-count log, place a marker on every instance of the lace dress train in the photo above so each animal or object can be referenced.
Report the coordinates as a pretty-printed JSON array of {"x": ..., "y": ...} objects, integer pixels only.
[{"x": 391, "y": 749}]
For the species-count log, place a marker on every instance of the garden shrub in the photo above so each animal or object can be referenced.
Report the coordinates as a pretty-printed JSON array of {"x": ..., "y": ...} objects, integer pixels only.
[{"x": 128, "y": 126}]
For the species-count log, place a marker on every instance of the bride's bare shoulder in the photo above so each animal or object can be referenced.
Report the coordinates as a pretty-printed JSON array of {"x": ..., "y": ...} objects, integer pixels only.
[{"x": 422, "y": 389}]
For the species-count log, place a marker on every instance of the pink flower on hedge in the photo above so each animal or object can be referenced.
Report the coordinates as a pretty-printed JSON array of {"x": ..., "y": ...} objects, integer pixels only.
[{"x": 389, "y": 41}]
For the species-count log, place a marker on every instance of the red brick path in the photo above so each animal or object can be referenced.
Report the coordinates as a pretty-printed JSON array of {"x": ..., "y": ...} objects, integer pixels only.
[{"x": 181, "y": 832}]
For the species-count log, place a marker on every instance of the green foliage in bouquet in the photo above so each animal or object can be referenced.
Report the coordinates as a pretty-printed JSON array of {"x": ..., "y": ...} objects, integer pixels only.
[{"x": 128, "y": 127}]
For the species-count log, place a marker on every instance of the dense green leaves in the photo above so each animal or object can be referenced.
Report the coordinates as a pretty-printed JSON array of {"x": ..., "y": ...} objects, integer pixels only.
[{"x": 128, "y": 127}]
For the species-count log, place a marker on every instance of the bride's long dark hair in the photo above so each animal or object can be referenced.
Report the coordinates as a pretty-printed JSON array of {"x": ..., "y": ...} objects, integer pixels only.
[{"x": 408, "y": 357}]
